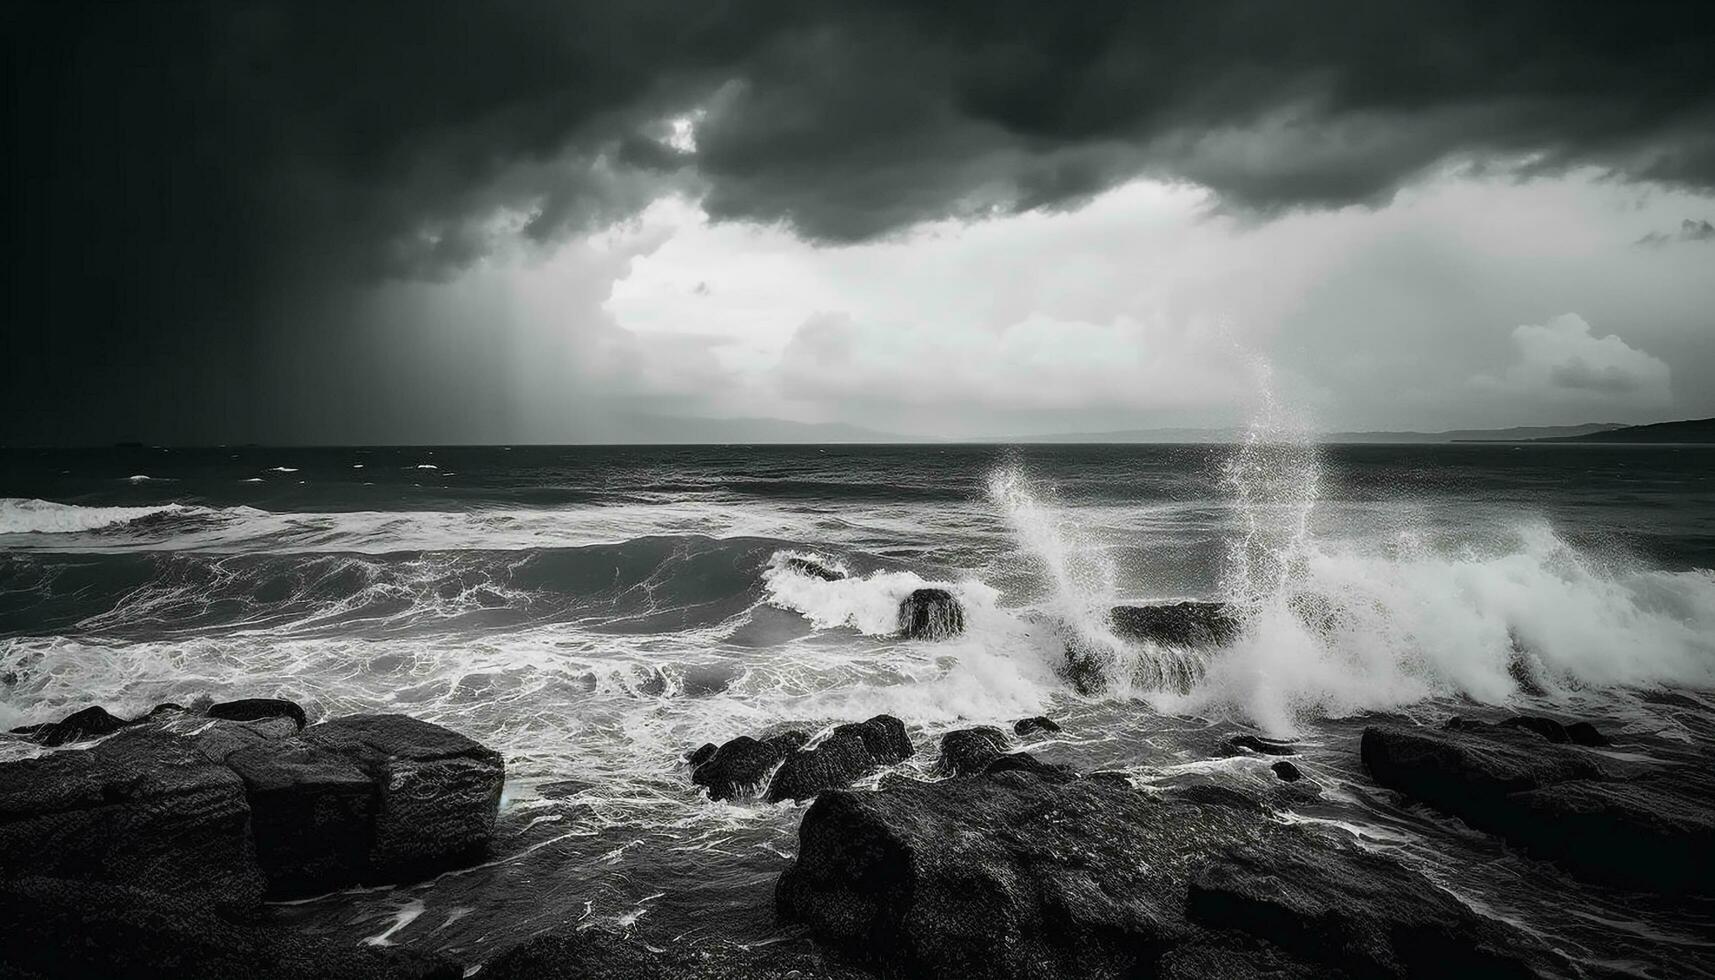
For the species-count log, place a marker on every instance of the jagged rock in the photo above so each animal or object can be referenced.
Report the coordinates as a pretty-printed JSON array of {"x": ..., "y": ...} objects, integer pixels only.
[
  {"x": 848, "y": 754},
  {"x": 741, "y": 766},
  {"x": 1182, "y": 624},
  {"x": 1240, "y": 744},
  {"x": 437, "y": 792},
  {"x": 1041, "y": 723},
  {"x": 80, "y": 726},
  {"x": 1286, "y": 771},
  {"x": 143, "y": 808},
  {"x": 68, "y": 930},
  {"x": 1558, "y": 802},
  {"x": 931, "y": 614},
  {"x": 311, "y": 812},
  {"x": 968, "y": 751},
  {"x": 256, "y": 709},
  {"x": 1018, "y": 876},
  {"x": 813, "y": 568}
]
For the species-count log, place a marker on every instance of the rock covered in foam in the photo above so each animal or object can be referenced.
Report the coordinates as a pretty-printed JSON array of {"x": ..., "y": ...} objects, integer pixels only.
[
  {"x": 814, "y": 568},
  {"x": 1015, "y": 875},
  {"x": 1652, "y": 830},
  {"x": 145, "y": 808},
  {"x": 931, "y": 614},
  {"x": 80, "y": 726}
]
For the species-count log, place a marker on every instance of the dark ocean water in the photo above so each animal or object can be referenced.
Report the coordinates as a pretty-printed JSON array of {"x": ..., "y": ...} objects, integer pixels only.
[{"x": 594, "y": 612}]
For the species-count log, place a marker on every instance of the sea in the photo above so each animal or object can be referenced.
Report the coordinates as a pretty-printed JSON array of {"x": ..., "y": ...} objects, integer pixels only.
[{"x": 596, "y": 612}]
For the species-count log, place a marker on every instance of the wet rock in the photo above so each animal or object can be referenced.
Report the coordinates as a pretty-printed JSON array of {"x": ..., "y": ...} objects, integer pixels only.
[
  {"x": 1286, "y": 771},
  {"x": 813, "y": 568},
  {"x": 1359, "y": 913},
  {"x": 311, "y": 812},
  {"x": 702, "y": 754},
  {"x": 437, "y": 792},
  {"x": 595, "y": 954},
  {"x": 1016, "y": 876},
  {"x": 848, "y": 754},
  {"x": 1025, "y": 762},
  {"x": 1577, "y": 733},
  {"x": 256, "y": 709},
  {"x": 79, "y": 726},
  {"x": 1181, "y": 624},
  {"x": 741, "y": 766},
  {"x": 69, "y": 930},
  {"x": 1556, "y": 802},
  {"x": 1240, "y": 744},
  {"x": 969, "y": 751},
  {"x": 1040, "y": 723},
  {"x": 931, "y": 614},
  {"x": 145, "y": 809}
]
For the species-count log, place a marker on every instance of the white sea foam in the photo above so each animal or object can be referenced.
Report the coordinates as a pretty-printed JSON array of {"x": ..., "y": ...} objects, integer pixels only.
[
  {"x": 29, "y": 516},
  {"x": 868, "y": 604}
]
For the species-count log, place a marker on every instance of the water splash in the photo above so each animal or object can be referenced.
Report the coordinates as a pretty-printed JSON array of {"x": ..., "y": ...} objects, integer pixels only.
[{"x": 1274, "y": 478}]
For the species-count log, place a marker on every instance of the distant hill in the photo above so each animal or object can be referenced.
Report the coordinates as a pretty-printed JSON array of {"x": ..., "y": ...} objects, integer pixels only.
[
  {"x": 1687, "y": 431},
  {"x": 665, "y": 429},
  {"x": 1523, "y": 433}
]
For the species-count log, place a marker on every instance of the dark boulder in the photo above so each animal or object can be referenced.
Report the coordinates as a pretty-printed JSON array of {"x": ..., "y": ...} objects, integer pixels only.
[
  {"x": 931, "y": 614},
  {"x": 79, "y": 726},
  {"x": 1025, "y": 762},
  {"x": 1041, "y": 723},
  {"x": 1180, "y": 624},
  {"x": 1651, "y": 831},
  {"x": 741, "y": 766},
  {"x": 969, "y": 751},
  {"x": 69, "y": 930},
  {"x": 1019, "y": 876},
  {"x": 436, "y": 791},
  {"x": 146, "y": 809},
  {"x": 311, "y": 811},
  {"x": 257, "y": 709},
  {"x": 813, "y": 568},
  {"x": 849, "y": 753},
  {"x": 701, "y": 754},
  {"x": 1240, "y": 744},
  {"x": 1286, "y": 771}
]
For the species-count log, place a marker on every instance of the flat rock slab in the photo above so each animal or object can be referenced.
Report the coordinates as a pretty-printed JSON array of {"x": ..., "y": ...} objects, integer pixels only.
[
  {"x": 311, "y": 814},
  {"x": 437, "y": 792},
  {"x": 1017, "y": 876},
  {"x": 1556, "y": 801},
  {"x": 142, "y": 808},
  {"x": 64, "y": 930}
]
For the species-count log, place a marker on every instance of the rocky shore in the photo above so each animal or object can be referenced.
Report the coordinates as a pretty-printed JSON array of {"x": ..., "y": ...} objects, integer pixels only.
[{"x": 148, "y": 848}]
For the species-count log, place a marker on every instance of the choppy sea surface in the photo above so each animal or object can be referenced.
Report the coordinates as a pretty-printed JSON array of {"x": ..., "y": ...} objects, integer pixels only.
[{"x": 596, "y": 612}]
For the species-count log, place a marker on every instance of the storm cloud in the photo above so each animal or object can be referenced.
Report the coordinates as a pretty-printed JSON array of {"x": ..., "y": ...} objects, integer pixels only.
[{"x": 194, "y": 187}]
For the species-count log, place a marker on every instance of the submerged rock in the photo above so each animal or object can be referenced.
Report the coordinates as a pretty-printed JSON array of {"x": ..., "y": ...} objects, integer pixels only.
[
  {"x": 72, "y": 930},
  {"x": 813, "y": 568},
  {"x": 931, "y": 614},
  {"x": 80, "y": 726},
  {"x": 1181, "y": 624},
  {"x": 1286, "y": 771},
  {"x": 436, "y": 792},
  {"x": 1019, "y": 876},
  {"x": 256, "y": 709},
  {"x": 1556, "y": 801},
  {"x": 146, "y": 809},
  {"x": 1240, "y": 744},
  {"x": 741, "y": 766},
  {"x": 848, "y": 754},
  {"x": 1040, "y": 723},
  {"x": 969, "y": 751},
  {"x": 1577, "y": 733}
]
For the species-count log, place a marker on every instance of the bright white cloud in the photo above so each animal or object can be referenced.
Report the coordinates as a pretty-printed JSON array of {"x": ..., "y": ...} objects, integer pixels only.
[{"x": 1563, "y": 359}]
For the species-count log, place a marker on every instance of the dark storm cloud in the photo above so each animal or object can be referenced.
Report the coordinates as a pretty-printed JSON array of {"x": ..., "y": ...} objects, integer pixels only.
[{"x": 181, "y": 176}]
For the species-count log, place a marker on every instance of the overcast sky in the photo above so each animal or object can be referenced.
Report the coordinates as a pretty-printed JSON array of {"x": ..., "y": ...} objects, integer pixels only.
[{"x": 535, "y": 222}]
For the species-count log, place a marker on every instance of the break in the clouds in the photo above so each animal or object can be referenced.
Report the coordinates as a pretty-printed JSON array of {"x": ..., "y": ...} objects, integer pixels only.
[{"x": 204, "y": 197}]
